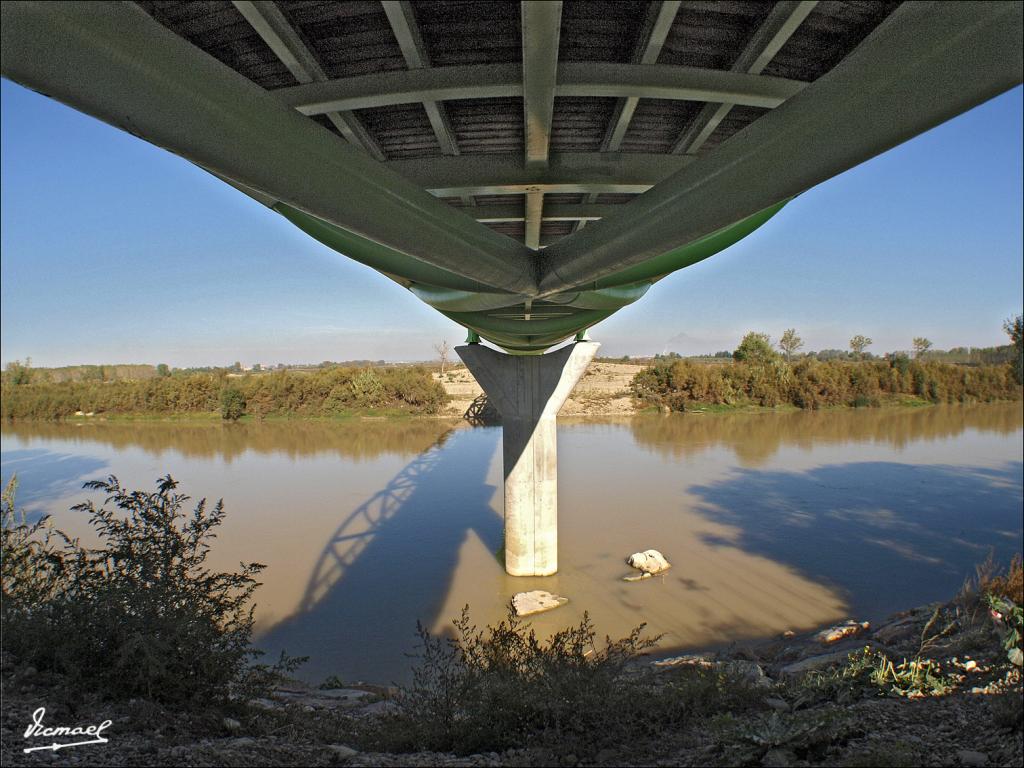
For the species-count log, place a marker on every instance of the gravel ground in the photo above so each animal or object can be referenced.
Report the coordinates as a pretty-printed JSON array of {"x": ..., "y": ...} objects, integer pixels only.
[{"x": 603, "y": 391}]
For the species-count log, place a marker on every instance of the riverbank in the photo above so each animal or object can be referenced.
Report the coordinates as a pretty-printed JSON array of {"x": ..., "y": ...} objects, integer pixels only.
[
  {"x": 794, "y": 700},
  {"x": 607, "y": 389},
  {"x": 604, "y": 390},
  {"x": 611, "y": 389}
]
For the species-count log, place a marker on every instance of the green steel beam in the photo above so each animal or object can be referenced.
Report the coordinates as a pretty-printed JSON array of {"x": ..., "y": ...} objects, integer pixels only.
[
  {"x": 495, "y": 214},
  {"x": 783, "y": 20},
  {"x": 271, "y": 25},
  {"x": 541, "y": 24},
  {"x": 121, "y": 66},
  {"x": 509, "y": 172},
  {"x": 657, "y": 24},
  {"x": 402, "y": 18},
  {"x": 499, "y": 81},
  {"x": 925, "y": 64}
]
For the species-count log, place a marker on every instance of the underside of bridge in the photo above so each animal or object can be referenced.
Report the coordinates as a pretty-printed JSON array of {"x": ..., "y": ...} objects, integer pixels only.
[{"x": 526, "y": 169}]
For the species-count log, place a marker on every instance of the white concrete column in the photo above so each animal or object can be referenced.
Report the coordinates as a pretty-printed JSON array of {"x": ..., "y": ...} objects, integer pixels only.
[{"x": 529, "y": 390}]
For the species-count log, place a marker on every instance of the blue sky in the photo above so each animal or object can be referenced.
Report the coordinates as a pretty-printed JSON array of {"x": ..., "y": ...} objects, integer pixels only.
[{"x": 116, "y": 251}]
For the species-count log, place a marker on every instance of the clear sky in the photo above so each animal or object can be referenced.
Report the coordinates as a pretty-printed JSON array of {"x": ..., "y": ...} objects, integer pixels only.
[{"x": 114, "y": 251}]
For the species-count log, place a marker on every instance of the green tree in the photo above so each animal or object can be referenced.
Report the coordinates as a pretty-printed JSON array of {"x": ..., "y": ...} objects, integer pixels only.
[
  {"x": 19, "y": 372},
  {"x": 367, "y": 389},
  {"x": 790, "y": 343},
  {"x": 921, "y": 345},
  {"x": 162, "y": 370},
  {"x": 858, "y": 344},
  {"x": 755, "y": 348},
  {"x": 232, "y": 404},
  {"x": 1014, "y": 327}
]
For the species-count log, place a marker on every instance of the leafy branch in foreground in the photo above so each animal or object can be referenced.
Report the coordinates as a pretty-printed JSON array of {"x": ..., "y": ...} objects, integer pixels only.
[
  {"x": 1009, "y": 619},
  {"x": 140, "y": 615}
]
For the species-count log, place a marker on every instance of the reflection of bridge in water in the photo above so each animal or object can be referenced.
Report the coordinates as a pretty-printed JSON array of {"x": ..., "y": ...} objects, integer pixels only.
[
  {"x": 357, "y": 531},
  {"x": 482, "y": 413},
  {"x": 391, "y": 560}
]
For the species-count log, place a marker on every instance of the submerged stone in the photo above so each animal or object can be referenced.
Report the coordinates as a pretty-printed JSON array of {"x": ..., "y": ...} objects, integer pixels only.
[
  {"x": 536, "y": 601},
  {"x": 637, "y": 576}
]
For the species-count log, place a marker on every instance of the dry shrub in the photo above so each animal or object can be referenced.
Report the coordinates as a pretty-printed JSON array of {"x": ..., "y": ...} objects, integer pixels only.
[
  {"x": 972, "y": 603},
  {"x": 1008, "y": 583}
]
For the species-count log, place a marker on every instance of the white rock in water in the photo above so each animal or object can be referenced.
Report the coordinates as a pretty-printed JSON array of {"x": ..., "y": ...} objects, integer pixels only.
[
  {"x": 649, "y": 561},
  {"x": 526, "y": 603}
]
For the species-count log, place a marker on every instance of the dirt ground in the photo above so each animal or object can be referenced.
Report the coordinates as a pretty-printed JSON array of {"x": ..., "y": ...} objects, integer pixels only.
[
  {"x": 603, "y": 391},
  {"x": 793, "y": 705}
]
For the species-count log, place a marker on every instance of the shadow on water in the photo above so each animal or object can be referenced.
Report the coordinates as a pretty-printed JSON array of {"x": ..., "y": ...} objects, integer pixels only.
[
  {"x": 44, "y": 475},
  {"x": 391, "y": 562},
  {"x": 887, "y": 534}
]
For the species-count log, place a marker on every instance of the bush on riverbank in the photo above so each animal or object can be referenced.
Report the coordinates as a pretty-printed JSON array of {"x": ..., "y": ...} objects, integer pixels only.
[
  {"x": 495, "y": 689},
  {"x": 502, "y": 688},
  {"x": 139, "y": 616},
  {"x": 328, "y": 392},
  {"x": 810, "y": 383}
]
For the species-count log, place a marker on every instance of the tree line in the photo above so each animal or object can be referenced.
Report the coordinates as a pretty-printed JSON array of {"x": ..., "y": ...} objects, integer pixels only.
[
  {"x": 760, "y": 375},
  {"x": 324, "y": 392}
]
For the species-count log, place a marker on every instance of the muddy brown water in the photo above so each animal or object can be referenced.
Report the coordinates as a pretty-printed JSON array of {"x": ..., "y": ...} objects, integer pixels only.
[{"x": 773, "y": 521}]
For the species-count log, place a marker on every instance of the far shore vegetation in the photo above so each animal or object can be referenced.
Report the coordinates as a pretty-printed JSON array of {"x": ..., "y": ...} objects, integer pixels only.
[
  {"x": 334, "y": 391},
  {"x": 756, "y": 374},
  {"x": 759, "y": 373}
]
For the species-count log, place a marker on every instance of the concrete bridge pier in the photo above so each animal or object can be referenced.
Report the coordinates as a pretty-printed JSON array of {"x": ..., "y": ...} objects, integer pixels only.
[{"x": 529, "y": 390}]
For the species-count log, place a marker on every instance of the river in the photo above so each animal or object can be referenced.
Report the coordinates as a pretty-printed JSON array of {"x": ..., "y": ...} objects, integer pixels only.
[{"x": 773, "y": 521}]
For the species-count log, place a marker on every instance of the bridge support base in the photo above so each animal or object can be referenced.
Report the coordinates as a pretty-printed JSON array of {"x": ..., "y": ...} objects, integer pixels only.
[{"x": 529, "y": 390}]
